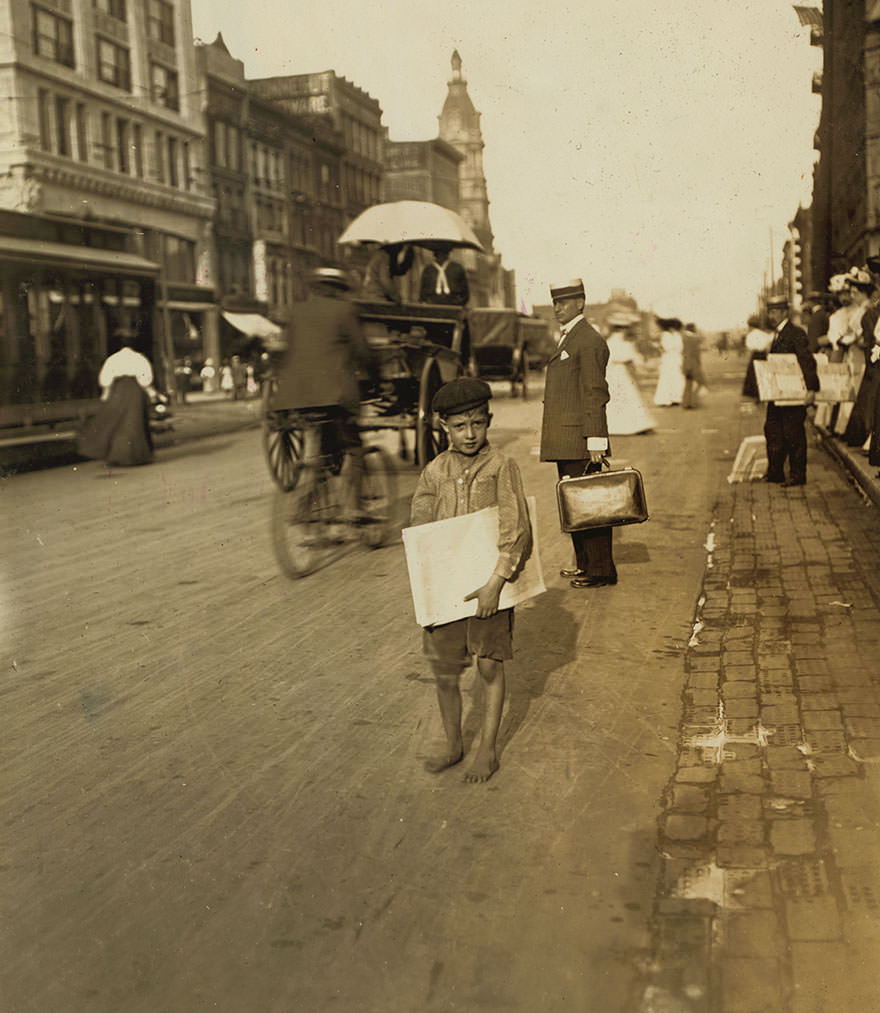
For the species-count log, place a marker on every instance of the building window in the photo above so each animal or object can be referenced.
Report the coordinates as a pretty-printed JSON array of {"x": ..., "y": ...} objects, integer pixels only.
[
  {"x": 43, "y": 102},
  {"x": 82, "y": 132},
  {"x": 164, "y": 86},
  {"x": 219, "y": 144},
  {"x": 53, "y": 36},
  {"x": 115, "y": 8},
  {"x": 233, "y": 153},
  {"x": 122, "y": 152},
  {"x": 138, "y": 146},
  {"x": 173, "y": 171},
  {"x": 180, "y": 259},
  {"x": 187, "y": 167},
  {"x": 114, "y": 64},
  {"x": 159, "y": 156},
  {"x": 62, "y": 126},
  {"x": 160, "y": 21},
  {"x": 107, "y": 139}
]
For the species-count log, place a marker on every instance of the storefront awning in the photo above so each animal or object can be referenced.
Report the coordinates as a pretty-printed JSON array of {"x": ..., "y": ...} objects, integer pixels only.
[
  {"x": 185, "y": 306},
  {"x": 87, "y": 258},
  {"x": 254, "y": 325}
]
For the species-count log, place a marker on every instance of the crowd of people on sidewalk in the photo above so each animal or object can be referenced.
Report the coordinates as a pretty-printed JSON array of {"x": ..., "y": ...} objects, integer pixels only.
[{"x": 842, "y": 326}]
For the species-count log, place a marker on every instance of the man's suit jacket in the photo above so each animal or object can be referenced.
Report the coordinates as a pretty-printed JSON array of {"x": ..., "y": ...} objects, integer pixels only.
[
  {"x": 456, "y": 276},
  {"x": 575, "y": 395},
  {"x": 327, "y": 352},
  {"x": 792, "y": 340}
]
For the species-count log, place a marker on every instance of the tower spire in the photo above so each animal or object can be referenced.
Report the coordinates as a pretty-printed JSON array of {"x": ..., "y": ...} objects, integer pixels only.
[{"x": 456, "y": 65}]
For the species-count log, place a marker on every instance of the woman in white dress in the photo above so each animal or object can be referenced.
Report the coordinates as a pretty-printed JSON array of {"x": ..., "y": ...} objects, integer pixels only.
[
  {"x": 846, "y": 337},
  {"x": 626, "y": 412},
  {"x": 758, "y": 342},
  {"x": 119, "y": 433},
  {"x": 670, "y": 382}
]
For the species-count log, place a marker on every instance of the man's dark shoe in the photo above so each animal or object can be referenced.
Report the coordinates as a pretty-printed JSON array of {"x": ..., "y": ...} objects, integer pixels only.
[
  {"x": 572, "y": 573},
  {"x": 789, "y": 482},
  {"x": 776, "y": 481},
  {"x": 593, "y": 581}
]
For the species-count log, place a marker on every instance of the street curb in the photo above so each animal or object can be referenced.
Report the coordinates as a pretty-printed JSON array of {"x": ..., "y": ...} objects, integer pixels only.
[
  {"x": 53, "y": 454},
  {"x": 870, "y": 488}
]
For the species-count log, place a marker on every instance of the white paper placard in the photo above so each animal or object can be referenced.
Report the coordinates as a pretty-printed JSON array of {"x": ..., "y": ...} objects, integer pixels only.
[
  {"x": 449, "y": 559},
  {"x": 780, "y": 379},
  {"x": 835, "y": 382}
]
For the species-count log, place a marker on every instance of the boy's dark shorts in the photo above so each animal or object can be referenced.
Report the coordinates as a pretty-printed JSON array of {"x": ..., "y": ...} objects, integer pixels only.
[{"x": 454, "y": 643}]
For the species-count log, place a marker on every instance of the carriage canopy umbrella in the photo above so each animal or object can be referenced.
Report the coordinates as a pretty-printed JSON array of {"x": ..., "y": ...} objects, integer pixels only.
[{"x": 410, "y": 221}]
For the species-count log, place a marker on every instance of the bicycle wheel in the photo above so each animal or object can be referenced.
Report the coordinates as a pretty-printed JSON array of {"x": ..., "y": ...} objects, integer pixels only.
[
  {"x": 300, "y": 529},
  {"x": 378, "y": 497},
  {"x": 283, "y": 436}
]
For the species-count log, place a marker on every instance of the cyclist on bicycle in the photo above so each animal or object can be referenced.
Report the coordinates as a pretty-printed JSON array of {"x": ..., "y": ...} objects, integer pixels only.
[{"x": 326, "y": 355}]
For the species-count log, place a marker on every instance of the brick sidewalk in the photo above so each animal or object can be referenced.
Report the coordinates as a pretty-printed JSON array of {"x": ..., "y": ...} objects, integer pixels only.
[{"x": 770, "y": 891}]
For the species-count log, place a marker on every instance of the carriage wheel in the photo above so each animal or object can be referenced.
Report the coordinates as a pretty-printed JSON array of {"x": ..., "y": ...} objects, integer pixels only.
[
  {"x": 283, "y": 438},
  {"x": 524, "y": 380},
  {"x": 378, "y": 497},
  {"x": 430, "y": 437}
]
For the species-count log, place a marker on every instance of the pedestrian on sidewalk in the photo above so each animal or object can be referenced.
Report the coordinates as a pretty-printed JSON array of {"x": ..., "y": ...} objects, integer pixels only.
[
  {"x": 239, "y": 378},
  {"x": 784, "y": 424},
  {"x": 574, "y": 430},
  {"x": 692, "y": 366},
  {"x": 252, "y": 388},
  {"x": 182, "y": 378},
  {"x": 860, "y": 423},
  {"x": 208, "y": 376},
  {"x": 757, "y": 341},
  {"x": 670, "y": 379},
  {"x": 470, "y": 476},
  {"x": 227, "y": 383}
]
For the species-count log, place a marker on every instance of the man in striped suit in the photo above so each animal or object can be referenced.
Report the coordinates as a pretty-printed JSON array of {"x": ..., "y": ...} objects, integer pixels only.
[{"x": 574, "y": 432}]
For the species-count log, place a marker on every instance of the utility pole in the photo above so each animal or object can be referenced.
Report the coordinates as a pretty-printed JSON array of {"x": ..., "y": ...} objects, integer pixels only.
[{"x": 772, "y": 270}]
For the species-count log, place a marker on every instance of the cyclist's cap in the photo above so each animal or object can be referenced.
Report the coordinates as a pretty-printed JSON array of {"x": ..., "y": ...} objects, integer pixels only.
[
  {"x": 331, "y": 276},
  {"x": 460, "y": 395}
]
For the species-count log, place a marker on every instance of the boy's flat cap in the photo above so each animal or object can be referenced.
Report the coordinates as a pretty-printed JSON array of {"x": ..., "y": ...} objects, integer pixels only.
[{"x": 460, "y": 395}]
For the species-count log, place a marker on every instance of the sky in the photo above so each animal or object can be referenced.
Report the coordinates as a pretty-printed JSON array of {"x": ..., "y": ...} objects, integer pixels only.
[{"x": 660, "y": 148}]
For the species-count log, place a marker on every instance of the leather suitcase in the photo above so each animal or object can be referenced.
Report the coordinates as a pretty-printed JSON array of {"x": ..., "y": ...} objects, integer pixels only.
[{"x": 601, "y": 500}]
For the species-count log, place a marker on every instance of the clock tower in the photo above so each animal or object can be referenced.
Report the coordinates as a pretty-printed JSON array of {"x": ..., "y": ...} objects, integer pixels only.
[{"x": 460, "y": 127}]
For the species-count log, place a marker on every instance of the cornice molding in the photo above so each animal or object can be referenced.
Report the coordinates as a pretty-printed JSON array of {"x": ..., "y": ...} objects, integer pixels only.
[{"x": 128, "y": 189}]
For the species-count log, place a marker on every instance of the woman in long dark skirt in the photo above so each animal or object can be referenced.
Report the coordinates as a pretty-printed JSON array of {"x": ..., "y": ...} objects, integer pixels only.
[{"x": 119, "y": 433}]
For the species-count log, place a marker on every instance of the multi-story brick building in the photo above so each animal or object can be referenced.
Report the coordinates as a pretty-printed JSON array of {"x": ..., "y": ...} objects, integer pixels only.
[
  {"x": 356, "y": 115},
  {"x": 846, "y": 179},
  {"x": 276, "y": 177},
  {"x": 422, "y": 170},
  {"x": 107, "y": 220}
]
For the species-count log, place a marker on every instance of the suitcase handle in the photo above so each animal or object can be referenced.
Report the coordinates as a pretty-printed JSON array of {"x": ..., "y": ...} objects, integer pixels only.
[{"x": 605, "y": 464}]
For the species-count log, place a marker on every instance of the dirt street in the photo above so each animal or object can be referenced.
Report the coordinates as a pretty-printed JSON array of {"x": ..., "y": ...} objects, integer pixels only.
[{"x": 213, "y": 795}]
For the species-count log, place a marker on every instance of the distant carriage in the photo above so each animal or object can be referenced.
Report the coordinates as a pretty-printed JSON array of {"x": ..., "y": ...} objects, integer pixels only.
[{"x": 504, "y": 343}]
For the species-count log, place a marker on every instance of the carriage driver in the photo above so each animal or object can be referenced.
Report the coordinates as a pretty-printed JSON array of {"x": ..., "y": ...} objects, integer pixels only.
[{"x": 326, "y": 354}]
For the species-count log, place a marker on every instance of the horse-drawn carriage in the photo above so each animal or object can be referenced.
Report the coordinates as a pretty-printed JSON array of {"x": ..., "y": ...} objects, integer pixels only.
[{"x": 419, "y": 347}]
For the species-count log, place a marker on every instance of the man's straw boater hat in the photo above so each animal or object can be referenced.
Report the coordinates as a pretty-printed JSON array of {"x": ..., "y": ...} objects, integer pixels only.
[{"x": 573, "y": 289}]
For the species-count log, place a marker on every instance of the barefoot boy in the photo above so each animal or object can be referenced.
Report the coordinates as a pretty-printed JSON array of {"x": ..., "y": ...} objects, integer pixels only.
[{"x": 467, "y": 477}]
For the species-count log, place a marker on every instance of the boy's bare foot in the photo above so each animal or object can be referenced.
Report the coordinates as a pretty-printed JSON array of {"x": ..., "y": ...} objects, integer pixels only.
[
  {"x": 434, "y": 764},
  {"x": 482, "y": 768}
]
